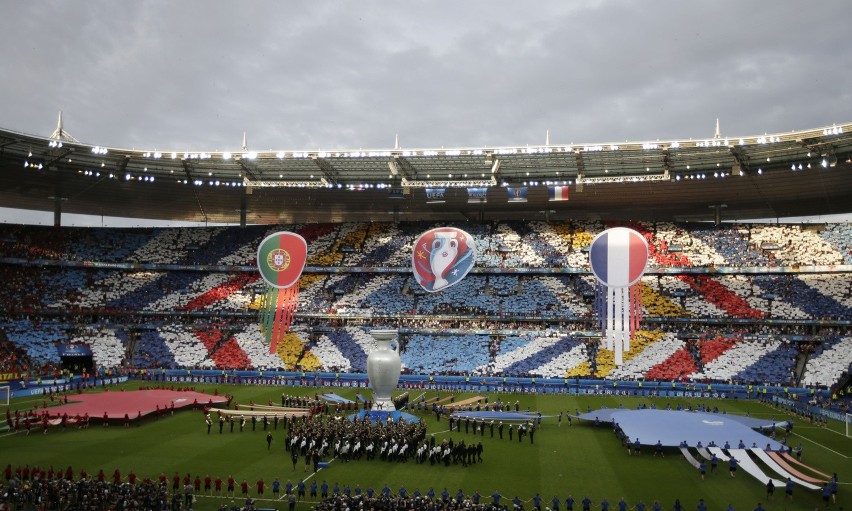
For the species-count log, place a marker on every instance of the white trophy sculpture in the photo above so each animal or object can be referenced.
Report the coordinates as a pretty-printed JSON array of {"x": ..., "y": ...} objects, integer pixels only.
[
  {"x": 383, "y": 369},
  {"x": 445, "y": 248}
]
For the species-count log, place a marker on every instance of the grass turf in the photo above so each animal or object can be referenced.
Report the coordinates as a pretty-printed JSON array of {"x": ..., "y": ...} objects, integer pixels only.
[{"x": 580, "y": 460}]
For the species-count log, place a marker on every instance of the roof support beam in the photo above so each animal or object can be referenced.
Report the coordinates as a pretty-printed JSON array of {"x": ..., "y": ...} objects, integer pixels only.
[
  {"x": 188, "y": 171},
  {"x": 667, "y": 164},
  {"x": 122, "y": 165},
  {"x": 581, "y": 169},
  {"x": 249, "y": 172},
  {"x": 330, "y": 173},
  {"x": 55, "y": 159},
  {"x": 741, "y": 161},
  {"x": 8, "y": 142},
  {"x": 405, "y": 167},
  {"x": 495, "y": 170}
]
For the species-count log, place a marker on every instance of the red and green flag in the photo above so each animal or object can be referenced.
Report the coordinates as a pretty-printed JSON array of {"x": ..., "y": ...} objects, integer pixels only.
[{"x": 280, "y": 259}]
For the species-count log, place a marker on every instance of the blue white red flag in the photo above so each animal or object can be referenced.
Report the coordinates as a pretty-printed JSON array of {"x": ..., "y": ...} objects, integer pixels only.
[
  {"x": 618, "y": 256},
  {"x": 557, "y": 193}
]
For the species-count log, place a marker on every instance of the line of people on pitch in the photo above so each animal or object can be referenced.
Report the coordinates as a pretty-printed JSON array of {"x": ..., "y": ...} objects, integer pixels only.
[
  {"x": 430, "y": 501},
  {"x": 479, "y": 425},
  {"x": 317, "y": 437}
]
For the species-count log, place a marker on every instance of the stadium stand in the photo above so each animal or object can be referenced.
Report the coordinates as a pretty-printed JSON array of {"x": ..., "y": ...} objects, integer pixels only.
[
  {"x": 832, "y": 359},
  {"x": 111, "y": 290}
]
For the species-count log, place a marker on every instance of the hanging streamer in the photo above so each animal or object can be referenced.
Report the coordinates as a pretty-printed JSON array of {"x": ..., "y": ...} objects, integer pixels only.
[
  {"x": 618, "y": 257},
  {"x": 281, "y": 258}
]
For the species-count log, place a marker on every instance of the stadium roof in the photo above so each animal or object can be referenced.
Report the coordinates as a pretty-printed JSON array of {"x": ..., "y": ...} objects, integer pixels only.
[{"x": 764, "y": 176}]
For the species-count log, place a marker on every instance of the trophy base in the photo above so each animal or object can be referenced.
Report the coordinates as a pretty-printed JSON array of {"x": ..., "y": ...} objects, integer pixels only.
[
  {"x": 383, "y": 404},
  {"x": 384, "y": 416}
]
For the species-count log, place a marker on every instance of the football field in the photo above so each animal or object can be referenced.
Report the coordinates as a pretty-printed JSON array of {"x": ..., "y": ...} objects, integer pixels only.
[{"x": 578, "y": 460}]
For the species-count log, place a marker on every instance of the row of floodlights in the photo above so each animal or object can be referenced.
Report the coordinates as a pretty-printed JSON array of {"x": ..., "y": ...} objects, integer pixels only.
[
  {"x": 545, "y": 183},
  {"x": 824, "y": 163},
  {"x": 468, "y": 152},
  {"x": 127, "y": 177},
  {"x": 705, "y": 175},
  {"x": 251, "y": 155},
  {"x": 187, "y": 156},
  {"x": 212, "y": 182}
]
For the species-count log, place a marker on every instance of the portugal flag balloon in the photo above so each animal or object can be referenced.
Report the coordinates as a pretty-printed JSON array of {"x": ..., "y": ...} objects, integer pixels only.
[{"x": 280, "y": 259}]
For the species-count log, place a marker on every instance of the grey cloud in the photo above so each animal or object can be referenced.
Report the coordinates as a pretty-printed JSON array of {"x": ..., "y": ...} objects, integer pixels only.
[{"x": 194, "y": 75}]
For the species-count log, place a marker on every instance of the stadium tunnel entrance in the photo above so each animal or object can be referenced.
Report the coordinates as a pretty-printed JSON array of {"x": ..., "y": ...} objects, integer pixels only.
[{"x": 76, "y": 357}]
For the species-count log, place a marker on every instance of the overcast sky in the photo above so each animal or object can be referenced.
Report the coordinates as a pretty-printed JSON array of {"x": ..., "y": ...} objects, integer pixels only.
[{"x": 193, "y": 75}]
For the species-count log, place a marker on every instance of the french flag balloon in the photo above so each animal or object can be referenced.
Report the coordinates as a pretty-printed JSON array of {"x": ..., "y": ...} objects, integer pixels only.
[{"x": 618, "y": 257}]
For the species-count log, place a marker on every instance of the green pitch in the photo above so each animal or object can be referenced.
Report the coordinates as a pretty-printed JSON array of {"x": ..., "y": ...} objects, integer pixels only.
[{"x": 579, "y": 460}]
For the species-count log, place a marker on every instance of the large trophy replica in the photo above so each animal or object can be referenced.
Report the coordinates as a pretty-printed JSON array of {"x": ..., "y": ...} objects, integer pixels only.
[
  {"x": 618, "y": 257},
  {"x": 441, "y": 258},
  {"x": 383, "y": 369}
]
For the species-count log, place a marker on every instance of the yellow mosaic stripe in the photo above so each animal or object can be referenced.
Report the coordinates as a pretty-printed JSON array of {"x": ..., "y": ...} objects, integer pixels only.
[
  {"x": 289, "y": 349},
  {"x": 581, "y": 239},
  {"x": 309, "y": 279},
  {"x": 658, "y": 305},
  {"x": 563, "y": 231},
  {"x": 606, "y": 358},
  {"x": 582, "y": 369},
  {"x": 257, "y": 303},
  {"x": 332, "y": 256},
  {"x": 310, "y": 362}
]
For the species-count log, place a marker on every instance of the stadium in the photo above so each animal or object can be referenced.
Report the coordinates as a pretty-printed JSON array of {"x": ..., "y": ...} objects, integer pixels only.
[{"x": 738, "y": 319}]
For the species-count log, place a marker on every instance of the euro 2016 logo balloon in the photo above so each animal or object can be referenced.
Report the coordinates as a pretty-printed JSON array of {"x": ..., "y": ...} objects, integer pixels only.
[{"x": 442, "y": 257}]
